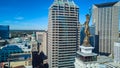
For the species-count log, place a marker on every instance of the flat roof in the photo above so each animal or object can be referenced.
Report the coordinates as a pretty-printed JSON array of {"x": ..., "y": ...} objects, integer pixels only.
[
  {"x": 100, "y": 60},
  {"x": 18, "y": 54},
  {"x": 106, "y": 4},
  {"x": 116, "y": 65}
]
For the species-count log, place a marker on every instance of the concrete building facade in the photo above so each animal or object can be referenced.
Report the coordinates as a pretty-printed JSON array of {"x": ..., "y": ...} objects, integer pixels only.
[
  {"x": 41, "y": 37},
  {"x": 106, "y": 18},
  {"x": 63, "y": 33}
]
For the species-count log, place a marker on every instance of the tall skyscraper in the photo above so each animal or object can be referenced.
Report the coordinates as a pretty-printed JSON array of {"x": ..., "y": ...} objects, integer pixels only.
[
  {"x": 4, "y": 32},
  {"x": 106, "y": 17},
  {"x": 63, "y": 33}
]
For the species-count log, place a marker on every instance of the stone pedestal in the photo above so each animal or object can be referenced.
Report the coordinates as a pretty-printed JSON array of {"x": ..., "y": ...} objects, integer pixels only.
[
  {"x": 86, "y": 49},
  {"x": 85, "y": 58}
]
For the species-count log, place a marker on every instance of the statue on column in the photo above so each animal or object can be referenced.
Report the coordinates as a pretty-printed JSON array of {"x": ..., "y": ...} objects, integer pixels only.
[{"x": 87, "y": 32}]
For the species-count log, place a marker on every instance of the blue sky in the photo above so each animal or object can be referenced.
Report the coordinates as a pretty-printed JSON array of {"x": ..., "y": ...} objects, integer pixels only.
[{"x": 33, "y": 14}]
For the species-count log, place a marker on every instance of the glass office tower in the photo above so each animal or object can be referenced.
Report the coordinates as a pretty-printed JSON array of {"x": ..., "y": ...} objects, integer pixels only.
[{"x": 4, "y": 32}]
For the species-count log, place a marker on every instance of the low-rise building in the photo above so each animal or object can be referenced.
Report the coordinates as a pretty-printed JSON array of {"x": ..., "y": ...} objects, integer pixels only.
[{"x": 12, "y": 55}]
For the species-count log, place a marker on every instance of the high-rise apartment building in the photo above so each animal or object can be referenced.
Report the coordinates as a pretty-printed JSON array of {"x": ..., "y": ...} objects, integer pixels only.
[
  {"x": 106, "y": 17},
  {"x": 63, "y": 31}
]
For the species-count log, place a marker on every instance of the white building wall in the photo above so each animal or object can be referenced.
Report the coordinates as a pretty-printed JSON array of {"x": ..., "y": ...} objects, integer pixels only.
[
  {"x": 80, "y": 64},
  {"x": 117, "y": 52}
]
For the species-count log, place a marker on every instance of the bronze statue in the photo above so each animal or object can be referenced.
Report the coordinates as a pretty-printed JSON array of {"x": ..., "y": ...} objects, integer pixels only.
[{"x": 87, "y": 32}]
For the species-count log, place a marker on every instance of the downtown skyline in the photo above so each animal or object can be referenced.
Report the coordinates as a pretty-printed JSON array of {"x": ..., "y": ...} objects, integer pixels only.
[{"x": 33, "y": 14}]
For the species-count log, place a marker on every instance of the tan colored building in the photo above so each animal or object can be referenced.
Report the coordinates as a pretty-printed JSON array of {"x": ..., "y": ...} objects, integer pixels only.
[
  {"x": 26, "y": 63},
  {"x": 41, "y": 37}
]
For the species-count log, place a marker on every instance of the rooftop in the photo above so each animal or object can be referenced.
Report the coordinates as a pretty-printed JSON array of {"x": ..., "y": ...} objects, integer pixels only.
[
  {"x": 115, "y": 65},
  {"x": 69, "y": 3},
  {"x": 89, "y": 54},
  {"x": 106, "y": 4},
  {"x": 100, "y": 60}
]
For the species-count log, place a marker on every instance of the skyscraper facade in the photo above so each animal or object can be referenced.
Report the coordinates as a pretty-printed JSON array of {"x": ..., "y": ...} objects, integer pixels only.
[
  {"x": 63, "y": 33},
  {"x": 4, "y": 32},
  {"x": 106, "y": 17}
]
